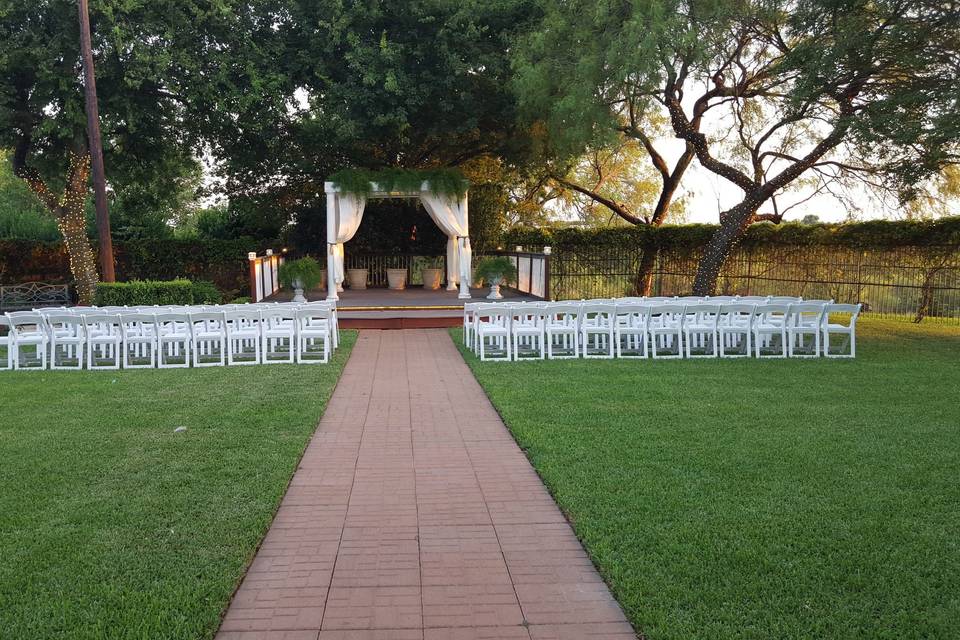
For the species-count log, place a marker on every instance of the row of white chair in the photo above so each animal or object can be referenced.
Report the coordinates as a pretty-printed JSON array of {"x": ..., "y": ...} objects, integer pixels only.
[
  {"x": 660, "y": 328},
  {"x": 168, "y": 337}
]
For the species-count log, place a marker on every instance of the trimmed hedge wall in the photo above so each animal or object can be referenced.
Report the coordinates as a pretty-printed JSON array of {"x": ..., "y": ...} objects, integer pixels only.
[
  {"x": 876, "y": 234},
  {"x": 223, "y": 262},
  {"x": 162, "y": 292}
]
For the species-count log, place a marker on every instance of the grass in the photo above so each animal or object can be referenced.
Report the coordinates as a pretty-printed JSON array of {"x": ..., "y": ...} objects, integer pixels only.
[
  {"x": 114, "y": 526},
  {"x": 759, "y": 499}
]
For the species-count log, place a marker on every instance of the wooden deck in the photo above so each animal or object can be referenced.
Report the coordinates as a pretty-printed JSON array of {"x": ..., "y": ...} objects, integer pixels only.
[{"x": 412, "y": 308}]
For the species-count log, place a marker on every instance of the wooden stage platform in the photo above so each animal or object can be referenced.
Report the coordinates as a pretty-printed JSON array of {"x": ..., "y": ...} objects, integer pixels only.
[{"x": 412, "y": 308}]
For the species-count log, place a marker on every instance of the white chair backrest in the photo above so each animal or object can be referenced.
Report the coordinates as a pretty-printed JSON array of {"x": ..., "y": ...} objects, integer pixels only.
[
  {"x": 103, "y": 323},
  {"x": 601, "y": 313},
  {"x": 770, "y": 309},
  {"x": 172, "y": 322},
  {"x": 667, "y": 311},
  {"x": 806, "y": 313},
  {"x": 783, "y": 300},
  {"x": 752, "y": 299},
  {"x": 210, "y": 319},
  {"x": 852, "y": 309},
  {"x": 733, "y": 312},
  {"x": 306, "y": 313},
  {"x": 64, "y": 321},
  {"x": 704, "y": 311},
  {"x": 561, "y": 314}
]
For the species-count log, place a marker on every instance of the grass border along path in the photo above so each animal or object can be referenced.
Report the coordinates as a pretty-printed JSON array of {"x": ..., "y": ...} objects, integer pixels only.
[
  {"x": 759, "y": 499},
  {"x": 114, "y": 526}
]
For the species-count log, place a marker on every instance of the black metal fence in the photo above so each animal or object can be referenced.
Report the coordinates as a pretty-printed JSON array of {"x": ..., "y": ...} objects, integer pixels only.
[
  {"x": 377, "y": 265},
  {"x": 905, "y": 282}
]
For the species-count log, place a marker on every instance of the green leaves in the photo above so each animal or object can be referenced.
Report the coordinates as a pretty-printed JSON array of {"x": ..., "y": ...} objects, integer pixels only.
[{"x": 449, "y": 182}]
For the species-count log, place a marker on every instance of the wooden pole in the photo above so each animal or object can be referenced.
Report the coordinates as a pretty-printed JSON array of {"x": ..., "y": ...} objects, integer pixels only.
[{"x": 96, "y": 149}]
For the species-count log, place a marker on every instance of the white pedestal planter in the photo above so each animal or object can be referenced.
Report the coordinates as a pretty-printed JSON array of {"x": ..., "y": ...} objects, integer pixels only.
[
  {"x": 397, "y": 279},
  {"x": 298, "y": 292},
  {"x": 495, "y": 291},
  {"x": 357, "y": 278},
  {"x": 431, "y": 278}
]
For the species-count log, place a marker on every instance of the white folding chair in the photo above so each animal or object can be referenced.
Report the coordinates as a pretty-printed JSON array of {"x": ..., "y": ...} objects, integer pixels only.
[
  {"x": 29, "y": 340},
  {"x": 104, "y": 340},
  {"x": 243, "y": 336},
  {"x": 67, "y": 340},
  {"x": 561, "y": 324},
  {"x": 469, "y": 321},
  {"x": 493, "y": 331},
  {"x": 314, "y": 334},
  {"x": 526, "y": 331},
  {"x": 173, "y": 340},
  {"x": 278, "y": 329},
  {"x": 630, "y": 330},
  {"x": 665, "y": 328},
  {"x": 208, "y": 339},
  {"x": 139, "y": 340},
  {"x": 6, "y": 343},
  {"x": 735, "y": 330},
  {"x": 804, "y": 322},
  {"x": 597, "y": 322},
  {"x": 700, "y": 329},
  {"x": 849, "y": 330},
  {"x": 769, "y": 323}
]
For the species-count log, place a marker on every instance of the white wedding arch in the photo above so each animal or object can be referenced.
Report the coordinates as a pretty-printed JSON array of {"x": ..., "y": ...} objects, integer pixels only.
[{"x": 448, "y": 211}]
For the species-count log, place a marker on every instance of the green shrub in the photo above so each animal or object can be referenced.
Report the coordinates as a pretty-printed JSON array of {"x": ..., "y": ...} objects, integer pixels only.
[
  {"x": 205, "y": 292},
  {"x": 144, "y": 292},
  {"x": 499, "y": 267},
  {"x": 241, "y": 300},
  {"x": 305, "y": 270}
]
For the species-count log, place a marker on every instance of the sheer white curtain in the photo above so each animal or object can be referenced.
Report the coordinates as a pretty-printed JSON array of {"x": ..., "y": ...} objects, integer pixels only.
[
  {"x": 344, "y": 213},
  {"x": 450, "y": 214}
]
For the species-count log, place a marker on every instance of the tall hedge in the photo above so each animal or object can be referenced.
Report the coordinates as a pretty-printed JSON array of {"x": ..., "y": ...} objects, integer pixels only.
[
  {"x": 875, "y": 234},
  {"x": 223, "y": 262}
]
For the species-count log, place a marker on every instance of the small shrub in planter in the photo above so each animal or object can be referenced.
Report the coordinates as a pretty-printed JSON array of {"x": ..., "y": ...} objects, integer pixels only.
[
  {"x": 301, "y": 274},
  {"x": 496, "y": 271}
]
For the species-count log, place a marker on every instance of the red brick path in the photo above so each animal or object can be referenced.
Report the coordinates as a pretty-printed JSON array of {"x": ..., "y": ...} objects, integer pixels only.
[{"x": 415, "y": 516}]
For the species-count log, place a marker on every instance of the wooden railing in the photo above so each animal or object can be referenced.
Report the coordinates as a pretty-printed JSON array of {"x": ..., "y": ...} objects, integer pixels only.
[
  {"x": 533, "y": 272},
  {"x": 264, "y": 278}
]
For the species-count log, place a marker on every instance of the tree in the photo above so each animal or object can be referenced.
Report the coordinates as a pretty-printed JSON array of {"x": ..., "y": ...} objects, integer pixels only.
[
  {"x": 770, "y": 92},
  {"x": 171, "y": 76},
  {"x": 598, "y": 129}
]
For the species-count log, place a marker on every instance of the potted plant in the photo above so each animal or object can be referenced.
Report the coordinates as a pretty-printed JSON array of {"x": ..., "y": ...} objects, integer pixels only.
[
  {"x": 431, "y": 272},
  {"x": 495, "y": 272},
  {"x": 357, "y": 278},
  {"x": 397, "y": 279},
  {"x": 301, "y": 274}
]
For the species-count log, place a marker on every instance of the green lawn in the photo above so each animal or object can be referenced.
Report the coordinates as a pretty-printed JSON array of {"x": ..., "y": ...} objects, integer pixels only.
[
  {"x": 114, "y": 526},
  {"x": 759, "y": 499}
]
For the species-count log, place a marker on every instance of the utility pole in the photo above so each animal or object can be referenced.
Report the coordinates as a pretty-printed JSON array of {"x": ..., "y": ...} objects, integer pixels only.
[{"x": 96, "y": 148}]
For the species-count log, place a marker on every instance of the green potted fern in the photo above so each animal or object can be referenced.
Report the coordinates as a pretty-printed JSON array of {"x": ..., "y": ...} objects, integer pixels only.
[
  {"x": 301, "y": 274},
  {"x": 496, "y": 271}
]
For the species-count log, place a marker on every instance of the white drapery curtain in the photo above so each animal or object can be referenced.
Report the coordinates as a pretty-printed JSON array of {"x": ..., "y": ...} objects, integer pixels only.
[
  {"x": 347, "y": 212},
  {"x": 450, "y": 214}
]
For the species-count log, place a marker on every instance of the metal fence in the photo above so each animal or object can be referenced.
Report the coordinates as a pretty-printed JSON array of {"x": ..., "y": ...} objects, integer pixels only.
[
  {"x": 377, "y": 265},
  {"x": 905, "y": 282}
]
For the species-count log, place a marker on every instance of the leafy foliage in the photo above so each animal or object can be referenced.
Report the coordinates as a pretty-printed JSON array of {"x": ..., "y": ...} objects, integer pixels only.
[
  {"x": 447, "y": 182},
  {"x": 496, "y": 268},
  {"x": 305, "y": 271},
  {"x": 144, "y": 292}
]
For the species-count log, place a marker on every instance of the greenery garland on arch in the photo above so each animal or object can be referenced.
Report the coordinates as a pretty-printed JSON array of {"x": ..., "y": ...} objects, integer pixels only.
[{"x": 443, "y": 182}]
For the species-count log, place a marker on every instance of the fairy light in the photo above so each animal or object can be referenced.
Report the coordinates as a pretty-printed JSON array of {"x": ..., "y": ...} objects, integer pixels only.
[{"x": 73, "y": 226}]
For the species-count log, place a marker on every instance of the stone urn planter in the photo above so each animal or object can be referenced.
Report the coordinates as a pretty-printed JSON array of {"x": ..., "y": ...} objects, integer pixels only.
[
  {"x": 496, "y": 271},
  {"x": 397, "y": 279},
  {"x": 357, "y": 278},
  {"x": 298, "y": 291},
  {"x": 495, "y": 289},
  {"x": 431, "y": 278}
]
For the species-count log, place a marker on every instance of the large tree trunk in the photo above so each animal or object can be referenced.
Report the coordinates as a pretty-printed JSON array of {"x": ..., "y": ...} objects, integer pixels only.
[
  {"x": 733, "y": 226},
  {"x": 70, "y": 212},
  {"x": 643, "y": 284}
]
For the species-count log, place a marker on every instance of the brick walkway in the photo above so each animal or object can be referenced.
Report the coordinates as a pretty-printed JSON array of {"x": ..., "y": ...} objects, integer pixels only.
[{"x": 414, "y": 515}]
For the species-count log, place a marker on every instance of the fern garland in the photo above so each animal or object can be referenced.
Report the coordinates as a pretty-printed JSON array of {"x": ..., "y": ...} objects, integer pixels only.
[{"x": 442, "y": 182}]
